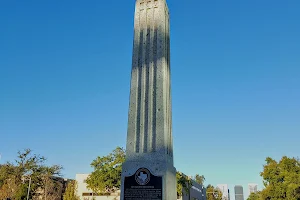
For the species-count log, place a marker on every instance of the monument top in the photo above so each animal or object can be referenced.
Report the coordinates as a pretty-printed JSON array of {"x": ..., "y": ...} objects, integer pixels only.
[{"x": 149, "y": 0}]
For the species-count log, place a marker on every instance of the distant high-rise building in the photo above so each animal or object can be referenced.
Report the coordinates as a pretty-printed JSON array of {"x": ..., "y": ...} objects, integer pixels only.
[
  {"x": 239, "y": 193},
  {"x": 252, "y": 187},
  {"x": 225, "y": 191}
]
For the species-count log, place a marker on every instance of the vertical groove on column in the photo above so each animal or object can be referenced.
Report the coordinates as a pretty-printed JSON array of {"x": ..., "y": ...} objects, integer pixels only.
[
  {"x": 155, "y": 40},
  {"x": 147, "y": 65},
  {"x": 160, "y": 87},
  {"x": 165, "y": 79},
  {"x": 150, "y": 99},
  {"x": 143, "y": 68},
  {"x": 139, "y": 88},
  {"x": 132, "y": 116},
  {"x": 168, "y": 81}
]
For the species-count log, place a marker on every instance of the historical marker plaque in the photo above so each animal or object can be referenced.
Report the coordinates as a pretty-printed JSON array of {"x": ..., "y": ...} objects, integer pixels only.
[{"x": 143, "y": 186}]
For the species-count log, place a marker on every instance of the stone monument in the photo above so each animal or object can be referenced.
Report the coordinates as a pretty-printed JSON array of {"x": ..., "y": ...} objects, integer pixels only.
[{"x": 148, "y": 172}]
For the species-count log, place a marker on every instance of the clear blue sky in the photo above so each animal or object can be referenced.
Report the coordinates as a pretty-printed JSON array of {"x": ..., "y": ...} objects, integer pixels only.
[{"x": 65, "y": 74}]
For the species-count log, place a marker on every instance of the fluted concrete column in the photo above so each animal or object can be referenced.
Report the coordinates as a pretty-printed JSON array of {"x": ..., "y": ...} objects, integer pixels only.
[{"x": 149, "y": 134}]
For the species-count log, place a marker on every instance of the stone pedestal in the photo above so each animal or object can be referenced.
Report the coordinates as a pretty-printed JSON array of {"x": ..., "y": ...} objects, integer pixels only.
[
  {"x": 149, "y": 149},
  {"x": 167, "y": 173}
]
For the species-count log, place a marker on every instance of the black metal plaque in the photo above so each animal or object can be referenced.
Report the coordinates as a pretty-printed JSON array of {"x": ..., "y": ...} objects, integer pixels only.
[{"x": 143, "y": 186}]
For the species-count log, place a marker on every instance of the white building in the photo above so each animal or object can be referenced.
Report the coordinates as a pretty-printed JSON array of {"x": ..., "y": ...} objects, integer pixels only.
[
  {"x": 252, "y": 187},
  {"x": 86, "y": 194},
  {"x": 225, "y": 191}
]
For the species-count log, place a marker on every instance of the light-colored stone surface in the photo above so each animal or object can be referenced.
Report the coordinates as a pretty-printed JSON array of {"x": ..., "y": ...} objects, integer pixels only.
[
  {"x": 149, "y": 124},
  {"x": 81, "y": 185},
  {"x": 149, "y": 134}
]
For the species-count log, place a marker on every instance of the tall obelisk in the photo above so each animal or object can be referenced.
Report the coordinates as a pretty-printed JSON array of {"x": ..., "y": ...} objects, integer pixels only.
[{"x": 148, "y": 172}]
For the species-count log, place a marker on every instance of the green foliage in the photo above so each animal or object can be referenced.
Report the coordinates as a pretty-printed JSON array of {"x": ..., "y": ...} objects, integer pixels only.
[
  {"x": 106, "y": 177},
  {"x": 70, "y": 193},
  {"x": 281, "y": 179},
  {"x": 183, "y": 182},
  {"x": 199, "y": 179},
  {"x": 21, "y": 192},
  {"x": 14, "y": 177},
  {"x": 213, "y": 193},
  {"x": 254, "y": 196}
]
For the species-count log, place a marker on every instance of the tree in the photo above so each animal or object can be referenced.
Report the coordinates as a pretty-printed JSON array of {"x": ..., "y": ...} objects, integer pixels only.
[
  {"x": 254, "y": 196},
  {"x": 5, "y": 191},
  {"x": 213, "y": 193},
  {"x": 14, "y": 176},
  {"x": 281, "y": 179},
  {"x": 106, "y": 177},
  {"x": 48, "y": 185},
  {"x": 183, "y": 183},
  {"x": 199, "y": 179},
  {"x": 7, "y": 183},
  {"x": 70, "y": 193}
]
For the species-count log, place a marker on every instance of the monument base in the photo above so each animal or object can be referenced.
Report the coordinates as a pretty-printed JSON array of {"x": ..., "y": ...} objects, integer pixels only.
[{"x": 148, "y": 181}]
